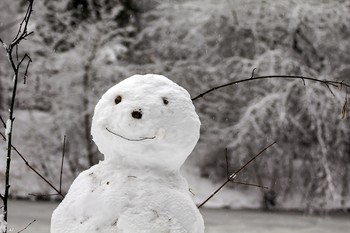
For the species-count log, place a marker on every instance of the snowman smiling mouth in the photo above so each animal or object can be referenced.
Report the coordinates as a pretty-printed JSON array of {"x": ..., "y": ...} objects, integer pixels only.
[{"x": 129, "y": 139}]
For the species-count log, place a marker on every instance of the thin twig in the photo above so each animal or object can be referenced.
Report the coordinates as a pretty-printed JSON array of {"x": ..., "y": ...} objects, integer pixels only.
[
  {"x": 329, "y": 88},
  {"x": 238, "y": 182},
  {"x": 227, "y": 166},
  {"x": 63, "y": 152},
  {"x": 27, "y": 34},
  {"x": 16, "y": 52},
  {"x": 252, "y": 159},
  {"x": 23, "y": 58},
  {"x": 27, "y": 226},
  {"x": 2, "y": 121},
  {"x": 233, "y": 175},
  {"x": 43, "y": 195},
  {"x": 328, "y": 83},
  {"x": 214, "y": 193},
  {"x": 249, "y": 184},
  {"x": 33, "y": 169},
  {"x": 22, "y": 34},
  {"x": 344, "y": 111},
  {"x": 26, "y": 71}
]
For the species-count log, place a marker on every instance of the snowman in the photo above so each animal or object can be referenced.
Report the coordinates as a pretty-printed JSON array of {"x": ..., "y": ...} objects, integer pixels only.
[{"x": 145, "y": 126}]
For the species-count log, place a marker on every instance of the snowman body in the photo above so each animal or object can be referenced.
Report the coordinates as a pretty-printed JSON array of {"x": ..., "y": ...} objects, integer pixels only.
[{"x": 145, "y": 126}]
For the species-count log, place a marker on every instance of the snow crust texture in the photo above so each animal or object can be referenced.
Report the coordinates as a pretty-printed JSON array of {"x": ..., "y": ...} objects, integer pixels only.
[{"x": 146, "y": 126}]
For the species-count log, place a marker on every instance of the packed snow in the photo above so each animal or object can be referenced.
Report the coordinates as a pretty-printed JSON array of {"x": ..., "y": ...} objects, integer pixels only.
[
  {"x": 146, "y": 126},
  {"x": 3, "y": 223}
]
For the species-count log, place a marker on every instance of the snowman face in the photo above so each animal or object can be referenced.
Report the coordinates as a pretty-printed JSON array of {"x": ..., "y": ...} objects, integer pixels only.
[{"x": 146, "y": 120}]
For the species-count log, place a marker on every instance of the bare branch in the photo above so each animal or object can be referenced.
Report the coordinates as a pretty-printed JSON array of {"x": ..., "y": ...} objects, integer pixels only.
[
  {"x": 33, "y": 169},
  {"x": 16, "y": 52},
  {"x": 3, "y": 122},
  {"x": 23, "y": 58},
  {"x": 233, "y": 175},
  {"x": 27, "y": 34},
  {"x": 1, "y": 197},
  {"x": 329, "y": 88},
  {"x": 239, "y": 182},
  {"x": 334, "y": 83},
  {"x": 249, "y": 184},
  {"x": 251, "y": 160},
  {"x": 21, "y": 34},
  {"x": 63, "y": 152},
  {"x": 214, "y": 193},
  {"x": 43, "y": 195},
  {"x": 27, "y": 67},
  {"x": 27, "y": 226},
  {"x": 303, "y": 78},
  {"x": 227, "y": 166},
  {"x": 345, "y": 110}
]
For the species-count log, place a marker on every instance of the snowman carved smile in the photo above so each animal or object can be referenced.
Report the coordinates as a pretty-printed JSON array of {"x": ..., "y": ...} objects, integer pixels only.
[{"x": 135, "y": 140}]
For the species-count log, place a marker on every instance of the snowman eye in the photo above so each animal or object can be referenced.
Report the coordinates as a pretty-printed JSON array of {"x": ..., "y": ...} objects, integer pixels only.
[
  {"x": 118, "y": 99},
  {"x": 165, "y": 101}
]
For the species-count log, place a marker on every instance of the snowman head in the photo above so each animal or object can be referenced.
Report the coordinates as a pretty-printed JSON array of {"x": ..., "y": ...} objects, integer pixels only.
[{"x": 146, "y": 121}]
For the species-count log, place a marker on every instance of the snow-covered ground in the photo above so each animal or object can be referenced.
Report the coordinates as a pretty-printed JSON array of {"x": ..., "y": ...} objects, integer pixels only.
[{"x": 217, "y": 220}]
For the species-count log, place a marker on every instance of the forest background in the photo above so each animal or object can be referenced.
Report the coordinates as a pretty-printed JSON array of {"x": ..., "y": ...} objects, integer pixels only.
[{"x": 82, "y": 47}]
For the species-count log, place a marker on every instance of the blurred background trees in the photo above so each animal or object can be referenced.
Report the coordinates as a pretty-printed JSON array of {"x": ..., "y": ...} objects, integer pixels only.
[{"x": 82, "y": 47}]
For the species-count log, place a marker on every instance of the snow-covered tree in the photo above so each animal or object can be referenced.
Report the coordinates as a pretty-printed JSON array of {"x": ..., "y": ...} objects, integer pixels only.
[{"x": 82, "y": 47}]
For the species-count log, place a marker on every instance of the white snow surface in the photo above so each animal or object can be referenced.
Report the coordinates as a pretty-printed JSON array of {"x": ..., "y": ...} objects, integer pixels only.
[
  {"x": 138, "y": 187},
  {"x": 3, "y": 223}
]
